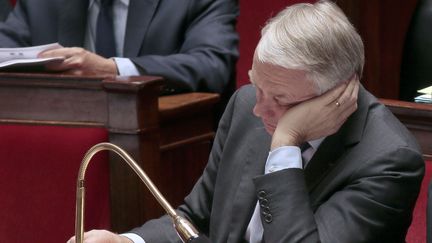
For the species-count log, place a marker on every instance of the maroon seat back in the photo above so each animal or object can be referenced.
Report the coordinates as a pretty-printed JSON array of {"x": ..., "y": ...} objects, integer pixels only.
[
  {"x": 417, "y": 230},
  {"x": 39, "y": 167},
  {"x": 253, "y": 16}
]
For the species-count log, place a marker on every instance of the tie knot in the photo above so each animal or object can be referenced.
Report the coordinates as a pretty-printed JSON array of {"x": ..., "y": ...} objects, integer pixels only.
[{"x": 304, "y": 146}]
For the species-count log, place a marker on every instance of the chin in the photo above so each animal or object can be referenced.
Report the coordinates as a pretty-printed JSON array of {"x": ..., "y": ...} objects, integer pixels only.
[{"x": 270, "y": 130}]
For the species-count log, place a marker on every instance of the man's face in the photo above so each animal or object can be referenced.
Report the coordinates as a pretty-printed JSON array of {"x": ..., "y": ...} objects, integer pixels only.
[{"x": 277, "y": 90}]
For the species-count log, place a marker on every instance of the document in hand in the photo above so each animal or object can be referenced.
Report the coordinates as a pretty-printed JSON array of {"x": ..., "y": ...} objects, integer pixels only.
[{"x": 26, "y": 56}]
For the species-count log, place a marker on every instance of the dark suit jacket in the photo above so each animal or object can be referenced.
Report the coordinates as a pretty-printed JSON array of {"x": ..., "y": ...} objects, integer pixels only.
[
  {"x": 192, "y": 43},
  {"x": 360, "y": 186},
  {"x": 4, "y": 9}
]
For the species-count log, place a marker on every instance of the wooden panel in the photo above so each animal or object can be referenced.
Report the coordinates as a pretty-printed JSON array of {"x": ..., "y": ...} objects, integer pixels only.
[
  {"x": 382, "y": 25},
  {"x": 417, "y": 118},
  {"x": 46, "y": 98},
  {"x": 126, "y": 107},
  {"x": 170, "y": 135},
  {"x": 187, "y": 131}
]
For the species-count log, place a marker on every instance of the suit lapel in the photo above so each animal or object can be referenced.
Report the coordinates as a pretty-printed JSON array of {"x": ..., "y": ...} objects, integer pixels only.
[
  {"x": 333, "y": 147},
  {"x": 139, "y": 16},
  {"x": 245, "y": 197},
  {"x": 72, "y": 22},
  {"x": 324, "y": 158}
]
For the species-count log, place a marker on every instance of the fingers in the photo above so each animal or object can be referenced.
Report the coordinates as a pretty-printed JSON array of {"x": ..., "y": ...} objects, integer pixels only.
[
  {"x": 344, "y": 93},
  {"x": 58, "y": 66},
  {"x": 356, "y": 87},
  {"x": 71, "y": 58},
  {"x": 71, "y": 240},
  {"x": 66, "y": 52},
  {"x": 348, "y": 100},
  {"x": 75, "y": 58},
  {"x": 341, "y": 103},
  {"x": 349, "y": 96},
  {"x": 332, "y": 96},
  {"x": 78, "y": 60}
]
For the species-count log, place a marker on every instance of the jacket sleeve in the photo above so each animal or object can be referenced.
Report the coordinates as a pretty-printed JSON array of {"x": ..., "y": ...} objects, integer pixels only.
[
  {"x": 373, "y": 205},
  {"x": 207, "y": 57},
  {"x": 15, "y": 32}
]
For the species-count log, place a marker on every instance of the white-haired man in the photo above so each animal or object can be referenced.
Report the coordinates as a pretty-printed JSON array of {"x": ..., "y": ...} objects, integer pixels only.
[{"x": 307, "y": 154}]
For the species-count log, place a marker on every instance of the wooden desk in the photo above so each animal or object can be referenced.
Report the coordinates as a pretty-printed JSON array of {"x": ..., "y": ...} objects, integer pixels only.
[
  {"x": 169, "y": 136},
  {"x": 417, "y": 118}
]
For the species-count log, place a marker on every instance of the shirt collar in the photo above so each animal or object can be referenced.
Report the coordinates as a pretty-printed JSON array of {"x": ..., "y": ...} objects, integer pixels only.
[
  {"x": 125, "y": 2},
  {"x": 316, "y": 143}
]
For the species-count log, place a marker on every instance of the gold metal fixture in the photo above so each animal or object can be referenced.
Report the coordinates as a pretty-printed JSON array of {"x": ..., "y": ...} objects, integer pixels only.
[{"x": 184, "y": 228}]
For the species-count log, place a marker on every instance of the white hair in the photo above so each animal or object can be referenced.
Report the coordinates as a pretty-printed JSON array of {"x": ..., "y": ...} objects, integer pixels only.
[{"x": 317, "y": 38}]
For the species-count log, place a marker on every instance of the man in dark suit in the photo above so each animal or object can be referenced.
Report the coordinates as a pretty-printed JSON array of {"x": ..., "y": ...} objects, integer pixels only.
[
  {"x": 192, "y": 43},
  {"x": 341, "y": 167}
]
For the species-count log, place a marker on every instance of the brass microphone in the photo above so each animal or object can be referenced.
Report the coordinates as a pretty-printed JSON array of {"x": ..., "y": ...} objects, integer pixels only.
[{"x": 185, "y": 229}]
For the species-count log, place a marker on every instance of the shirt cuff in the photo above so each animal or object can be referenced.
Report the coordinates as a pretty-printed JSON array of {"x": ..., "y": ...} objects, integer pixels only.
[
  {"x": 284, "y": 157},
  {"x": 126, "y": 67},
  {"x": 134, "y": 237}
]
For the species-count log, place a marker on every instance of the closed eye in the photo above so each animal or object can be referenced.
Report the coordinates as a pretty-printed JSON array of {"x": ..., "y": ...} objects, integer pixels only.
[{"x": 284, "y": 103}]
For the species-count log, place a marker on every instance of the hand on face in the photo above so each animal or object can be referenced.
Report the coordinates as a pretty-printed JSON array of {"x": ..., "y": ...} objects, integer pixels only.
[
  {"x": 102, "y": 236},
  {"x": 317, "y": 117},
  {"x": 79, "y": 61}
]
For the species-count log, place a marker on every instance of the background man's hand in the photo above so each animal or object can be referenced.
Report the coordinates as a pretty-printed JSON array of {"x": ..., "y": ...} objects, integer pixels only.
[
  {"x": 102, "y": 236},
  {"x": 79, "y": 61},
  {"x": 317, "y": 117}
]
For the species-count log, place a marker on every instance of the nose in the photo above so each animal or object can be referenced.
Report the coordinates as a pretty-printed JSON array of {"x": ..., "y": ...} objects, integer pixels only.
[
  {"x": 257, "y": 109},
  {"x": 263, "y": 109},
  {"x": 258, "y": 105}
]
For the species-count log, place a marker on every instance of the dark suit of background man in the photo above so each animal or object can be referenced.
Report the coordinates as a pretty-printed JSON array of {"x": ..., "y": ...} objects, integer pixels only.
[
  {"x": 192, "y": 43},
  {"x": 342, "y": 168},
  {"x": 4, "y": 9}
]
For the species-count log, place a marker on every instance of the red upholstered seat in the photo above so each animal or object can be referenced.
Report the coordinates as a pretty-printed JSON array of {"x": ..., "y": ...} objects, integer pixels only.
[
  {"x": 417, "y": 230},
  {"x": 39, "y": 166}
]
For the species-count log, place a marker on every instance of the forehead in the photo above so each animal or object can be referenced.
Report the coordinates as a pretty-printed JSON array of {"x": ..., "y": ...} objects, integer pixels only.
[
  {"x": 263, "y": 71},
  {"x": 276, "y": 80}
]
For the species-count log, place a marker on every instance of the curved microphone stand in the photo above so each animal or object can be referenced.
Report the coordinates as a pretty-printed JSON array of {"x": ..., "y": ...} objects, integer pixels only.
[{"x": 186, "y": 231}]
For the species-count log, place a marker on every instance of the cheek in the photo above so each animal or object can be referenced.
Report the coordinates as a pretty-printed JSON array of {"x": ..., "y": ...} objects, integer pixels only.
[
  {"x": 274, "y": 114},
  {"x": 278, "y": 113}
]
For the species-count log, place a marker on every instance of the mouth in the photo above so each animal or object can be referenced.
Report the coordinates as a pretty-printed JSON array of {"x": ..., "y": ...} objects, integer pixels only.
[{"x": 269, "y": 127}]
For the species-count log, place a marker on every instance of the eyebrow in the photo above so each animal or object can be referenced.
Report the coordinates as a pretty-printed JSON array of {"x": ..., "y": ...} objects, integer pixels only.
[
  {"x": 280, "y": 98},
  {"x": 283, "y": 103}
]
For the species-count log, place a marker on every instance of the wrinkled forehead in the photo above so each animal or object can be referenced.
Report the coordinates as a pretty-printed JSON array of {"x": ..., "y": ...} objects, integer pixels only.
[
  {"x": 262, "y": 71},
  {"x": 279, "y": 81},
  {"x": 262, "y": 68}
]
